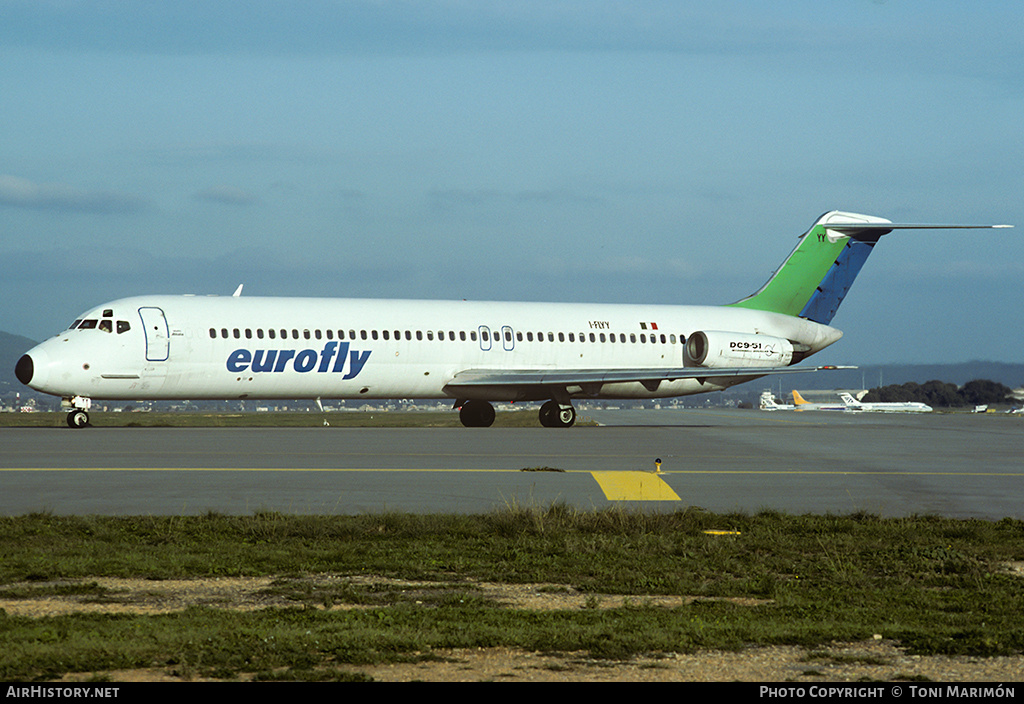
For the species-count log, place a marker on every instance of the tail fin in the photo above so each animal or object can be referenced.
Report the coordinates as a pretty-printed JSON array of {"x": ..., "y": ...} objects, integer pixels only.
[
  {"x": 817, "y": 275},
  {"x": 849, "y": 400},
  {"x": 798, "y": 399}
]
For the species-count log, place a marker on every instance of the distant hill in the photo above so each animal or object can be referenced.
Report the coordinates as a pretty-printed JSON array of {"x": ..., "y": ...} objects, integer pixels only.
[{"x": 11, "y": 349}]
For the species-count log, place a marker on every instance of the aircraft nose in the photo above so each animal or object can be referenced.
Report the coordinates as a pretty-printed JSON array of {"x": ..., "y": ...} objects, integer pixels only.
[
  {"x": 24, "y": 369},
  {"x": 31, "y": 369}
]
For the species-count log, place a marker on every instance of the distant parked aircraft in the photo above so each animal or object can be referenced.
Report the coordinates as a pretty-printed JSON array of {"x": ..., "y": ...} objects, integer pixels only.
[
  {"x": 804, "y": 405},
  {"x": 890, "y": 407},
  {"x": 768, "y": 403}
]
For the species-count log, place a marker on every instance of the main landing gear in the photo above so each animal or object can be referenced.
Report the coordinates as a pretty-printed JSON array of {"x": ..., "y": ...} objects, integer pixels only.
[
  {"x": 78, "y": 416},
  {"x": 480, "y": 414},
  {"x": 555, "y": 415},
  {"x": 476, "y": 414}
]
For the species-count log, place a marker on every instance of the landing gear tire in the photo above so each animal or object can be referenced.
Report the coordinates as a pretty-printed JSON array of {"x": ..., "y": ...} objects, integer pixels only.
[
  {"x": 78, "y": 418},
  {"x": 553, "y": 415},
  {"x": 476, "y": 414}
]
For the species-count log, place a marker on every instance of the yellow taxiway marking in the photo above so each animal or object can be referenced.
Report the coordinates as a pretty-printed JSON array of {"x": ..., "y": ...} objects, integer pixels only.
[
  {"x": 616, "y": 485},
  {"x": 634, "y": 486}
]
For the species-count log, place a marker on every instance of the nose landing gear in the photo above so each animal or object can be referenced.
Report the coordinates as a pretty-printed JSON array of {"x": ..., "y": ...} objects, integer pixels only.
[
  {"x": 78, "y": 419},
  {"x": 78, "y": 416}
]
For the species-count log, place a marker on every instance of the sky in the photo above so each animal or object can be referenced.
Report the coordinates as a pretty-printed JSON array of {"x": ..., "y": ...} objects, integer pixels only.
[{"x": 564, "y": 150}]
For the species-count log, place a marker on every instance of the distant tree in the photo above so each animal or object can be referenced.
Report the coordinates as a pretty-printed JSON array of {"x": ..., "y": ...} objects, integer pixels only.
[
  {"x": 894, "y": 393},
  {"x": 981, "y": 391},
  {"x": 942, "y": 394}
]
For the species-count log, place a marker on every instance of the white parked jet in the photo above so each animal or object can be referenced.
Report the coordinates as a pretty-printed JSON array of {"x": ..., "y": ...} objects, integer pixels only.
[
  {"x": 885, "y": 407},
  {"x": 199, "y": 347},
  {"x": 768, "y": 403}
]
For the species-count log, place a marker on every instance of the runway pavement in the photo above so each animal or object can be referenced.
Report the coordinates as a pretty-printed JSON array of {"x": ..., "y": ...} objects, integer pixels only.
[{"x": 957, "y": 465}]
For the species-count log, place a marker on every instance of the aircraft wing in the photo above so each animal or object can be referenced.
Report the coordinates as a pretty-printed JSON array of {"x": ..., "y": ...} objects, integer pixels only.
[{"x": 524, "y": 378}]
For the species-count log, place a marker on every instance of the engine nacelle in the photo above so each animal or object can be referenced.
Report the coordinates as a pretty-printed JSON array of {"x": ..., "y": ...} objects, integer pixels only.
[{"x": 736, "y": 349}]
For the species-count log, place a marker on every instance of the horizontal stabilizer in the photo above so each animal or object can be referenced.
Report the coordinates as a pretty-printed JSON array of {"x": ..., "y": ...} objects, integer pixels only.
[{"x": 873, "y": 230}]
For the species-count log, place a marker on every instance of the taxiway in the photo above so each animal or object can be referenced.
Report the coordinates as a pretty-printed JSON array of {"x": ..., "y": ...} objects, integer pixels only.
[{"x": 956, "y": 465}]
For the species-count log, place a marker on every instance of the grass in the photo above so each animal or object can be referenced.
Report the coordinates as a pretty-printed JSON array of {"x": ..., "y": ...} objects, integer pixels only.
[{"x": 936, "y": 585}]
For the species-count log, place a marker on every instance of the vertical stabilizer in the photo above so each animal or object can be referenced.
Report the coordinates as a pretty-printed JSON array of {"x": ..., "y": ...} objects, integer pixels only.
[{"x": 817, "y": 275}]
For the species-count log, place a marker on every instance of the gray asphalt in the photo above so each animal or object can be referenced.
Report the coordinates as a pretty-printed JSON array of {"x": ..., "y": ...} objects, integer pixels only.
[{"x": 957, "y": 465}]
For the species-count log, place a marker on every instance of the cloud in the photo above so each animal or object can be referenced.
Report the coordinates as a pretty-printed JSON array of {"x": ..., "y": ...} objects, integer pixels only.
[{"x": 21, "y": 193}]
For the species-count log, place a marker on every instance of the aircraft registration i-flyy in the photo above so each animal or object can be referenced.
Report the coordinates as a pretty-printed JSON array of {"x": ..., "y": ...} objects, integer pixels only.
[{"x": 475, "y": 353}]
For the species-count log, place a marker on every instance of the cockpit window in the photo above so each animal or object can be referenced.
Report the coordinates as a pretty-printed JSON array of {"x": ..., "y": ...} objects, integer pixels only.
[
  {"x": 123, "y": 326},
  {"x": 107, "y": 325},
  {"x": 87, "y": 325},
  {"x": 108, "y": 313},
  {"x": 74, "y": 324}
]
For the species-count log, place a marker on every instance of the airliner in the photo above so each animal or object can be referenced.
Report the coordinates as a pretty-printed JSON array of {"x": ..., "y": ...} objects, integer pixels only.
[
  {"x": 885, "y": 407},
  {"x": 802, "y": 404},
  {"x": 473, "y": 353},
  {"x": 768, "y": 403}
]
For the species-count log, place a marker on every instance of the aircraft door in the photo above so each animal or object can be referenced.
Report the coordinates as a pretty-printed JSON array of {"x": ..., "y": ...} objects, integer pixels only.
[
  {"x": 485, "y": 337},
  {"x": 154, "y": 324},
  {"x": 507, "y": 338}
]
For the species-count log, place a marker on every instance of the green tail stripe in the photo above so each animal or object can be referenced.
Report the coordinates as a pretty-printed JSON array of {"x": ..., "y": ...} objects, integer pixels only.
[{"x": 792, "y": 286}]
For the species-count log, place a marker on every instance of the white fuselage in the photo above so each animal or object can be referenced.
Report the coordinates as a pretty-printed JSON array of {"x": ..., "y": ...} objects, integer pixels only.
[
  {"x": 885, "y": 406},
  {"x": 909, "y": 407},
  {"x": 193, "y": 347}
]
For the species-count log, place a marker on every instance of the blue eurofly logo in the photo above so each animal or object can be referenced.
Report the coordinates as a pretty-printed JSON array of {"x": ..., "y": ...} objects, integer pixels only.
[{"x": 334, "y": 358}]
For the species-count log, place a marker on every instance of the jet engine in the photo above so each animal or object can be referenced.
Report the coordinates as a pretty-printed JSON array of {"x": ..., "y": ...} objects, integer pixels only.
[{"x": 736, "y": 349}]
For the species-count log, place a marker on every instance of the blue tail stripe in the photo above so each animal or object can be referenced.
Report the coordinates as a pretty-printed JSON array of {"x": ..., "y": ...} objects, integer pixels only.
[{"x": 825, "y": 300}]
